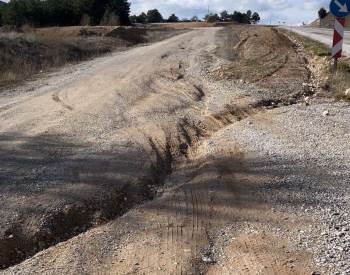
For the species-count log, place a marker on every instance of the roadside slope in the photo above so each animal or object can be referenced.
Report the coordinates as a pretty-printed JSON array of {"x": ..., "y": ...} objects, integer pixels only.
[{"x": 86, "y": 145}]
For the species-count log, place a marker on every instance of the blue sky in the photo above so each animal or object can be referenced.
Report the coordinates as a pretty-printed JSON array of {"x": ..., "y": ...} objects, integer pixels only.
[{"x": 290, "y": 11}]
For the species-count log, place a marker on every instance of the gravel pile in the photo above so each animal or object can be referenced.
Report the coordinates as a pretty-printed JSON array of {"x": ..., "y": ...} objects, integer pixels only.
[{"x": 308, "y": 149}]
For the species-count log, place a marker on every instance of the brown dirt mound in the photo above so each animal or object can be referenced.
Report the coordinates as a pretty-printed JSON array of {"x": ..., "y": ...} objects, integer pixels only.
[
  {"x": 262, "y": 56},
  {"x": 133, "y": 35},
  {"x": 24, "y": 54}
]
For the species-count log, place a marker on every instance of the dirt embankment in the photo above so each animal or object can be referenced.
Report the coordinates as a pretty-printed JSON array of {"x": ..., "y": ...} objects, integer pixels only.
[
  {"x": 24, "y": 54},
  {"x": 145, "y": 121},
  {"x": 266, "y": 58},
  {"x": 73, "y": 164}
]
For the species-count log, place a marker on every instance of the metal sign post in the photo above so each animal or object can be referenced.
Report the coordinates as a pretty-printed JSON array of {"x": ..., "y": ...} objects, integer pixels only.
[
  {"x": 340, "y": 9},
  {"x": 338, "y": 39}
]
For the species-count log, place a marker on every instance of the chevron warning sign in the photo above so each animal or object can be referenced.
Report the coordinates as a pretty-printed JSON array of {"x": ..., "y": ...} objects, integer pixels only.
[{"x": 338, "y": 37}]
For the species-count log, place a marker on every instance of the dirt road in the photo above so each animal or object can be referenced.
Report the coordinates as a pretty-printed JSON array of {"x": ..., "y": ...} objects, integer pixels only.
[{"x": 175, "y": 122}]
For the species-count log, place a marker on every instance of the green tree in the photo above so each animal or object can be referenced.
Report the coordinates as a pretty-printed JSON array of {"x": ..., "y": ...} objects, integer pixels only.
[
  {"x": 120, "y": 9},
  {"x": 255, "y": 17},
  {"x": 173, "y": 18},
  {"x": 212, "y": 17},
  {"x": 15, "y": 13},
  {"x": 154, "y": 16},
  {"x": 224, "y": 15},
  {"x": 249, "y": 14},
  {"x": 3, "y": 7},
  {"x": 62, "y": 13},
  {"x": 322, "y": 13},
  {"x": 195, "y": 18},
  {"x": 66, "y": 12},
  {"x": 141, "y": 19},
  {"x": 97, "y": 10},
  {"x": 240, "y": 17}
]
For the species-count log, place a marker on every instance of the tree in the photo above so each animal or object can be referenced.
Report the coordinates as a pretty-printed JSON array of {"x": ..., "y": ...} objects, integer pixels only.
[
  {"x": 240, "y": 17},
  {"x": 224, "y": 16},
  {"x": 97, "y": 11},
  {"x": 61, "y": 13},
  {"x": 133, "y": 18},
  {"x": 66, "y": 12},
  {"x": 211, "y": 17},
  {"x": 255, "y": 17},
  {"x": 121, "y": 10},
  {"x": 154, "y": 16},
  {"x": 2, "y": 11},
  {"x": 173, "y": 18},
  {"x": 141, "y": 19},
  {"x": 322, "y": 13},
  {"x": 195, "y": 18},
  {"x": 20, "y": 12},
  {"x": 249, "y": 14}
]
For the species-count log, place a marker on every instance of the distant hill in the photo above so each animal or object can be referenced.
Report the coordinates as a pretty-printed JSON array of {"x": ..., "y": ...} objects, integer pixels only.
[{"x": 2, "y": 3}]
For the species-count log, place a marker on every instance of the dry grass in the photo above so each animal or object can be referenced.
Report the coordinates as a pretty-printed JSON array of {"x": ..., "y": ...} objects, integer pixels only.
[
  {"x": 334, "y": 83},
  {"x": 24, "y": 54},
  {"x": 341, "y": 80}
]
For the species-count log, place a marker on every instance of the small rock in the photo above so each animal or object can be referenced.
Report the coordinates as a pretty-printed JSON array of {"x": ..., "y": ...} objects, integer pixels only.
[
  {"x": 307, "y": 100},
  {"x": 207, "y": 259},
  {"x": 325, "y": 113}
]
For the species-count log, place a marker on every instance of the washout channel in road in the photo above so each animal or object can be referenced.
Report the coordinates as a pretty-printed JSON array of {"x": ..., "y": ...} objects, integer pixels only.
[{"x": 138, "y": 128}]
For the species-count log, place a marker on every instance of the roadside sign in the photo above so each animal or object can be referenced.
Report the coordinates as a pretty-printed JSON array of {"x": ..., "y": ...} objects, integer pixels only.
[
  {"x": 338, "y": 37},
  {"x": 340, "y": 8}
]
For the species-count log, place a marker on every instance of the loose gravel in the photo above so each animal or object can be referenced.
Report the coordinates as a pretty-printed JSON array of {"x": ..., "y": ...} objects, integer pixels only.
[{"x": 309, "y": 154}]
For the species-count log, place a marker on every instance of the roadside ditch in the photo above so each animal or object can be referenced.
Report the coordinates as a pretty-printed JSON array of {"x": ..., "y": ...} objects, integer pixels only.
[{"x": 180, "y": 144}]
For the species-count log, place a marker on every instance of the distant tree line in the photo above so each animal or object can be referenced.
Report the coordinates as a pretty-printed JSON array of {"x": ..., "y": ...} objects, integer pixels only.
[
  {"x": 2, "y": 7},
  {"x": 240, "y": 17},
  {"x": 65, "y": 12},
  {"x": 154, "y": 16},
  {"x": 96, "y": 12}
]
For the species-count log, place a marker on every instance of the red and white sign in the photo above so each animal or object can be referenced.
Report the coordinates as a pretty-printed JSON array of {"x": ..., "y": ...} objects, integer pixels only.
[{"x": 338, "y": 37}]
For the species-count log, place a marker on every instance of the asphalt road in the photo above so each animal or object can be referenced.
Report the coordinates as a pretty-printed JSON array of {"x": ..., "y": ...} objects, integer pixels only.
[{"x": 322, "y": 35}]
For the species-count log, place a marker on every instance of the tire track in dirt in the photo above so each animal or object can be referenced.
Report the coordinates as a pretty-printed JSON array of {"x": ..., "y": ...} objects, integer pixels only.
[{"x": 56, "y": 98}]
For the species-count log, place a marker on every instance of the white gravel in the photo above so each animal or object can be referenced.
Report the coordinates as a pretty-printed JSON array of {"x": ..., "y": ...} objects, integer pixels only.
[{"x": 310, "y": 155}]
